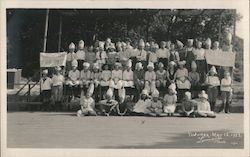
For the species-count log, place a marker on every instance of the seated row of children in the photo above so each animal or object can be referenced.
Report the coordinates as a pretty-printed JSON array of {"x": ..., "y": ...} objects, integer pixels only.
[{"x": 147, "y": 105}]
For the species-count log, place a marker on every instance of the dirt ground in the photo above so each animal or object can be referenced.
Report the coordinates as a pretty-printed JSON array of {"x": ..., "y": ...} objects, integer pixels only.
[{"x": 65, "y": 130}]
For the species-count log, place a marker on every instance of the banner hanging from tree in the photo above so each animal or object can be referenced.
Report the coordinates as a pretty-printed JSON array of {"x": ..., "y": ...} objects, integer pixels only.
[
  {"x": 53, "y": 59},
  {"x": 221, "y": 58}
]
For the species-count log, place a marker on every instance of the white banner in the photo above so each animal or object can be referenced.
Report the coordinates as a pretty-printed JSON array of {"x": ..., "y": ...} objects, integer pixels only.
[
  {"x": 53, "y": 59},
  {"x": 221, "y": 58}
]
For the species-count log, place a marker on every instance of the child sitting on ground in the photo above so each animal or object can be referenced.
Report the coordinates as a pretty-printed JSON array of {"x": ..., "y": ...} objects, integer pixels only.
[
  {"x": 108, "y": 105},
  {"x": 140, "y": 107},
  {"x": 87, "y": 104},
  {"x": 203, "y": 106},
  {"x": 155, "y": 105},
  {"x": 169, "y": 101},
  {"x": 188, "y": 106}
]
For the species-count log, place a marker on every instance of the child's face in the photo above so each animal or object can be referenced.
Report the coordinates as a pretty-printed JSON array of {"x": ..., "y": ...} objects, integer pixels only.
[
  {"x": 194, "y": 68},
  {"x": 74, "y": 67},
  {"x": 150, "y": 69},
  {"x": 226, "y": 75},
  {"x": 161, "y": 68},
  {"x": 187, "y": 97},
  {"x": 171, "y": 91},
  {"x": 203, "y": 99},
  {"x": 95, "y": 69},
  {"x": 143, "y": 96},
  {"x": 106, "y": 67},
  {"x": 155, "y": 99},
  {"x": 198, "y": 45},
  {"x": 85, "y": 68},
  {"x": 181, "y": 66},
  {"x": 172, "y": 47},
  {"x": 116, "y": 67},
  {"x": 88, "y": 95}
]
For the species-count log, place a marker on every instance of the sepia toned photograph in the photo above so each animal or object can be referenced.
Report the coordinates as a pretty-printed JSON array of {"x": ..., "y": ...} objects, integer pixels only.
[{"x": 125, "y": 78}]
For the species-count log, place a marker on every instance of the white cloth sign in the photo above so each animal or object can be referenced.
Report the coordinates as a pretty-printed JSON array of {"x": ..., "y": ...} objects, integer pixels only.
[
  {"x": 53, "y": 59},
  {"x": 221, "y": 58}
]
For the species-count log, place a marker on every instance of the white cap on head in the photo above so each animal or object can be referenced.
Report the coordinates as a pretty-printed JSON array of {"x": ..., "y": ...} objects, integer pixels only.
[
  {"x": 161, "y": 65},
  {"x": 91, "y": 89},
  {"x": 45, "y": 71},
  {"x": 129, "y": 63},
  {"x": 182, "y": 62},
  {"x": 179, "y": 43},
  {"x": 191, "y": 41},
  {"x": 58, "y": 68},
  {"x": 86, "y": 64},
  {"x": 193, "y": 64},
  {"x": 74, "y": 63},
  {"x": 96, "y": 66},
  {"x": 72, "y": 45},
  {"x": 141, "y": 43},
  {"x": 145, "y": 92},
  {"x": 138, "y": 66},
  {"x": 150, "y": 64},
  {"x": 208, "y": 42},
  {"x": 188, "y": 95},
  {"x": 172, "y": 63},
  {"x": 155, "y": 93},
  {"x": 109, "y": 92},
  {"x": 203, "y": 95},
  {"x": 101, "y": 44},
  {"x": 213, "y": 69},
  {"x": 81, "y": 44}
]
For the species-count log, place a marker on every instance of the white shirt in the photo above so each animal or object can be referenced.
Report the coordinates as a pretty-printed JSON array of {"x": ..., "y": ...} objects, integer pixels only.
[
  {"x": 74, "y": 75},
  {"x": 199, "y": 53},
  {"x": 46, "y": 85},
  {"x": 80, "y": 54},
  {"x": 162, "y": 53},
  {"x": 128, "y": 75},
  {"x": 226, "y": 82},
  {"x": 57, "y": 80}
]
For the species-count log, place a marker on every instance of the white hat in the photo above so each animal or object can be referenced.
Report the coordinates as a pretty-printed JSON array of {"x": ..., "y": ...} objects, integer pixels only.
[
  {"x": 193, "y": 64},
  {"x": 45, "y": 71},
  {"x": 208, "y": 42},
  {"x": 118, "y": 64},
  {"x": 81, "y": 44},
  {"x": 138, "y": 66},
  {"x": 72, "y": 45},
  {"x": 141, "y": 43},
  {"x": 179, "y": 43},
  {"x": 213, "y": 69},
  {"x": 190, "y": 41},
  {"x": 101, "y": 44},
  {"x": 145, "y": 92},
  {"x": 172, "y": 86},
  {"x": 182, "y": 62},
  {"x": 124, "y": 44},
  {"x": 161, "y": 65},
  {"x": 150, "y": 64},
  {"x": 129, "y": 63},
  {"x": 86, "y": 64},
  {"x": 58, "y": 68},
  {"x": 108, "y": 40},
  {"x": 74, "y": 63},
  {"x": 188, "y": 94},
  {"x": 118, "y": 44},
  {"x": 172, "y": 63},
  {"x": 109, "y": 92},
  {"x": 91, "y": 89},
  {"x": 203, "y": 95},
  {"x": 96, "y": 66},
  {"x": 147, "y": 44},
  {"x": 112, "y": 46},
  {"x": 155, "y": 93}
]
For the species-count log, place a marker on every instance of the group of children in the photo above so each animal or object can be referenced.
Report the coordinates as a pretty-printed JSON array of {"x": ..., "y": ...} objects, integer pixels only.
[{"x": 160, "y": 76}]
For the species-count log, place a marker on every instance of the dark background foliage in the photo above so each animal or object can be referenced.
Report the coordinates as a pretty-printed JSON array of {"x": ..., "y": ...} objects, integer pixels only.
[{"x": 25, "y": 29}]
